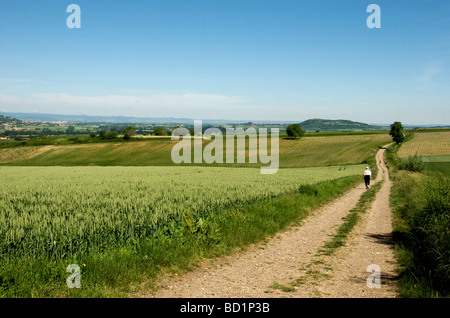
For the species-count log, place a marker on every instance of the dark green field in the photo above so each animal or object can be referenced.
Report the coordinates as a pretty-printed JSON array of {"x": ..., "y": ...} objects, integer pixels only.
[
  {"x": 443, "y": 167},
  {"x": 438, "y": 163}
]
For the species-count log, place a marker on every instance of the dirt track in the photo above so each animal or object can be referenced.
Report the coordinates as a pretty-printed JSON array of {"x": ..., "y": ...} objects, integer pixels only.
[{"x": 293, "y": 256}]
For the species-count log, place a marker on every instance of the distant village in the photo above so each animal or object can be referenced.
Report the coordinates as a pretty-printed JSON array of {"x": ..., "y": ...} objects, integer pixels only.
[{"x": 16, "y": 126}]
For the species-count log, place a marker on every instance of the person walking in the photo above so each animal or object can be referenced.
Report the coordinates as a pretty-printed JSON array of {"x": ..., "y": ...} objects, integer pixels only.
[{"x": 367, "y": 177}]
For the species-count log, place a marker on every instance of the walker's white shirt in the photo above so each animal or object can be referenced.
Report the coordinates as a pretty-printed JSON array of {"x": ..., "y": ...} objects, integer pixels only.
[{"x": 367, "y": 172}]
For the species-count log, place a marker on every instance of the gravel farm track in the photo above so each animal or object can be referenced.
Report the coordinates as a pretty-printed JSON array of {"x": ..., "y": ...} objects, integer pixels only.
[{"x": 293, "y": 255}]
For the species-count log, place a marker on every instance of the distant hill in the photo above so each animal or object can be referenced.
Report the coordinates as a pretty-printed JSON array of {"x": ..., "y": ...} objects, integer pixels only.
[
  {"x": 7, "y": 119},
  {"x": 331, "y": 125}
]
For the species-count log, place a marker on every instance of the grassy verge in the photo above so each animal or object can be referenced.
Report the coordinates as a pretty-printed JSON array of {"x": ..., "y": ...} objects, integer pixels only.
[
  {"x": 421, "y": 232},
  {"x": 421, "y": 206},
  {"x": 176, "y": 248}
]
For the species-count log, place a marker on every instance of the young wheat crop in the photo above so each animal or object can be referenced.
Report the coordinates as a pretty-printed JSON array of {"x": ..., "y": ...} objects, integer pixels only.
[{"x": 63, "y": 211}]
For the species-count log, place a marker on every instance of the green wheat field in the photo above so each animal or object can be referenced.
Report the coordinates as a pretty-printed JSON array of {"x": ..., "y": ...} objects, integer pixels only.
[{"x": 63, "y": 211}]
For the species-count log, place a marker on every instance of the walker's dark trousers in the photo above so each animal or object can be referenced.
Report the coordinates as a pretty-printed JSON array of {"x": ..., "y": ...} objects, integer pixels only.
[{"x": 367, "y": 181}]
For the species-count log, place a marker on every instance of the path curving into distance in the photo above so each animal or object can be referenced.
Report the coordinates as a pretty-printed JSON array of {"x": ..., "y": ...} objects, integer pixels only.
[{"x": 292, "y": 256}]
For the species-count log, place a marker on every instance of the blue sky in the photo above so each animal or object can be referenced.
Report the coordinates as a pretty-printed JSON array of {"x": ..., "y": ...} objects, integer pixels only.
[{"x": 229, "y": 59}]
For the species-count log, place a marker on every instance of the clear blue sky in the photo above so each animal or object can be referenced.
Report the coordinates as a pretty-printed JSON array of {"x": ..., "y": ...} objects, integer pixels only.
[{"x": 231, "y": 59}]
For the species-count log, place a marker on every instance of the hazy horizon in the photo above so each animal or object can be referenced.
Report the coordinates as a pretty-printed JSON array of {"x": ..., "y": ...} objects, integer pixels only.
[{"x": 227, "y": 120}]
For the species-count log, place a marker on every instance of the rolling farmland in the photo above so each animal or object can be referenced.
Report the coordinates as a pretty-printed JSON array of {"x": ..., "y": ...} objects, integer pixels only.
[
  {"x": 19, "y": 153},
  {"x": 433, "y": 147},
  {"x": 427, "y": 144},
  {"x": 306, "y": 152}
]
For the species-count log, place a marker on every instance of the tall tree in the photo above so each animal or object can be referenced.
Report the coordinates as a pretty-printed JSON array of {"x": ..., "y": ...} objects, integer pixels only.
[
  {"x": 397, "y": 132},
  {"x": 128, "y": 132},
  {"x": 294, "y": 131}
]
